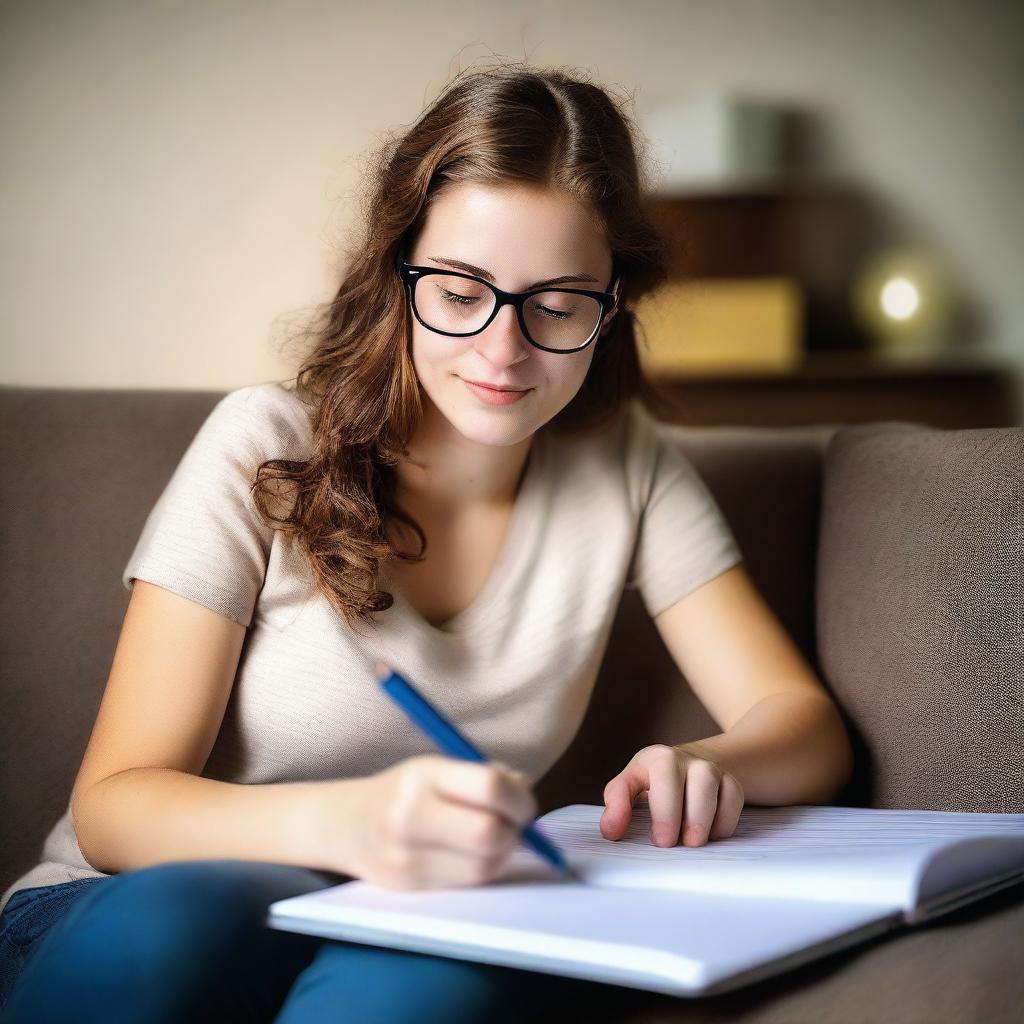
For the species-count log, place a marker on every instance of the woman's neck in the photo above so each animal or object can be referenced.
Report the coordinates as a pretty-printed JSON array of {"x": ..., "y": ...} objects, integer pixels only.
[{"x": 446, "y": 471}]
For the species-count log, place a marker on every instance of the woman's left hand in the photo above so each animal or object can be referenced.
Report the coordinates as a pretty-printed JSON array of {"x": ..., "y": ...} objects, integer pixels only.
[{"x": 671, "y": 776}]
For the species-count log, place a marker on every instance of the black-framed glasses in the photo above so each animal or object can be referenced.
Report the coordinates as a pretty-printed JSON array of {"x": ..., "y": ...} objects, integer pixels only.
[{"x": 460, "y": 305}]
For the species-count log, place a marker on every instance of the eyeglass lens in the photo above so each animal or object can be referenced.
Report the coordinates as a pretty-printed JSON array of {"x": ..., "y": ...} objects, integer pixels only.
[{"x": 554, "y": 319}]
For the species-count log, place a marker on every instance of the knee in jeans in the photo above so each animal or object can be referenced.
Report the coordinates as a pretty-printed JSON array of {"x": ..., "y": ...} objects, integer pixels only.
[
  {"x": 168, "y": 939},
  {"x": 194, "y": 903}
]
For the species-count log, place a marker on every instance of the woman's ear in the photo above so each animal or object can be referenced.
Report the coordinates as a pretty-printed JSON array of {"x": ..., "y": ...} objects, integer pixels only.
[{"x": 615, "y": 308}]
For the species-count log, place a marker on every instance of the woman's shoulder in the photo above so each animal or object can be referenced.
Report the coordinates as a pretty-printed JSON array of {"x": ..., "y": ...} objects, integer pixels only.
[
  {"x": 649, "y": 451},
  {"x": 274, "y": 397},
  {"x": 631, "y": 438},
  {"x": 270, "y": 414}
]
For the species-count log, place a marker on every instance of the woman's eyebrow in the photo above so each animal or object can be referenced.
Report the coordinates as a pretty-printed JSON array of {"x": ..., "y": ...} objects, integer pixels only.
[{"x": 488, "y": 276}]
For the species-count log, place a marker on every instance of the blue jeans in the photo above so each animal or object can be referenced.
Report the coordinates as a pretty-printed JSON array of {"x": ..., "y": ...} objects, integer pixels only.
[{"x": 186, "y": 941}]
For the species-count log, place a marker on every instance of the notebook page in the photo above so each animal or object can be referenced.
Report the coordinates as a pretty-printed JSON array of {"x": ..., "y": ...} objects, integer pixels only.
[{"x": 831, "y": 854}]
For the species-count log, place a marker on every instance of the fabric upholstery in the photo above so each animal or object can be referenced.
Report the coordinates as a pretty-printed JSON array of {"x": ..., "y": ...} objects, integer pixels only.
[{"x": 920, "y": 608}]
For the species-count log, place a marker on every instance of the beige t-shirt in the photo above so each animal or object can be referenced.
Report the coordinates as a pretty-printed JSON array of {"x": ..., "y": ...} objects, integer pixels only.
[{"x": 514, "y": 670}]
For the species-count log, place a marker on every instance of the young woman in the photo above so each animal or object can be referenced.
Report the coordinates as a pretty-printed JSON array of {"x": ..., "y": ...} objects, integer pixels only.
[{"x": 460, "y": 483}]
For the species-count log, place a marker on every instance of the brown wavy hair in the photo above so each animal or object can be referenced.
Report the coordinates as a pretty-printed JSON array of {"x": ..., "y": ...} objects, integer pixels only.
[{"x": 492, "y": 126}]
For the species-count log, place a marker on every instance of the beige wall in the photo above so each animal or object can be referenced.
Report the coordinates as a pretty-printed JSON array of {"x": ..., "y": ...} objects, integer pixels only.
[{"x": 177, "y": 177}]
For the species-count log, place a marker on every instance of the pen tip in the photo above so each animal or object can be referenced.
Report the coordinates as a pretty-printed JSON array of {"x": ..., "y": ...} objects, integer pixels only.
[{"x": 381, "y": 670}]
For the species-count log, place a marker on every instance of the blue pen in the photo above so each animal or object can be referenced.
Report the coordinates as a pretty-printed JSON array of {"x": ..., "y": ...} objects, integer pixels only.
[{"x": 451, "y": 741}]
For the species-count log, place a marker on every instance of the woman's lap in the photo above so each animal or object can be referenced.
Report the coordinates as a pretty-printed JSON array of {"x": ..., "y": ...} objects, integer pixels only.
[
  {"x": 187, "y": 940},
  {"x": 353, "y": 982},
  {"x": 28, "y": 915},
  {"x": 179, "y": 941}
]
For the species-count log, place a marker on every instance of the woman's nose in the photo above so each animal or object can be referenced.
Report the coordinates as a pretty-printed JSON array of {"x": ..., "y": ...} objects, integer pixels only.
[{"x": 502, "y": 341}]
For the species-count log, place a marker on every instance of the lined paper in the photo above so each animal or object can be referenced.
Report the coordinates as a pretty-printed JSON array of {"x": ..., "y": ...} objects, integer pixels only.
[{"x": 844, "y": 854}]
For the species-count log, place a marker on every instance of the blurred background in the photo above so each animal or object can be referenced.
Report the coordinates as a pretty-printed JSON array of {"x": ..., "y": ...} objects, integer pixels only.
[{"x": 839, "y": 184}]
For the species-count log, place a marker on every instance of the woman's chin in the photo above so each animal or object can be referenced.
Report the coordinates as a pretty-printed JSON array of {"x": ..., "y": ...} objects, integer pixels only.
[{"x": 492, "y": 427}]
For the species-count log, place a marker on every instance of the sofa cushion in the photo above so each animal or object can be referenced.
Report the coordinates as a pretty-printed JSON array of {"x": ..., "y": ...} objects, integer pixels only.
[
  {"x": 964, "y": 966},
  {"x": 919, "y": 610}
]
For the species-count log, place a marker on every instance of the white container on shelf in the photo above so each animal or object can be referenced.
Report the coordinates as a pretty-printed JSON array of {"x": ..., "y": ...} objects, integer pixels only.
[{"x": 714, "y": 141}]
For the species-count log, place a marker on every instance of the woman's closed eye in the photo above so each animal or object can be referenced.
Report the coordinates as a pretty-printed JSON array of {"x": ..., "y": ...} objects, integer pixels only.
[
  {"x": 458, "y": 300},
  {"x": 555, "y": 314}
]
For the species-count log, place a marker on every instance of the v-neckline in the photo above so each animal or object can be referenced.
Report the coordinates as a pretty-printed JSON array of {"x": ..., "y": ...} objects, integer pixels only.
[{"x": 469, "y": 618}]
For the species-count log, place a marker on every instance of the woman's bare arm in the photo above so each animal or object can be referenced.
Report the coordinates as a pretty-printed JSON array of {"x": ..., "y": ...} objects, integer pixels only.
[{"x": 138, "y": 798}]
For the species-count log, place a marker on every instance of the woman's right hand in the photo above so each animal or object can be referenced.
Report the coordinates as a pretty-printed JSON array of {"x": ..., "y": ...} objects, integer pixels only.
[{"x": 430, "y": 821}]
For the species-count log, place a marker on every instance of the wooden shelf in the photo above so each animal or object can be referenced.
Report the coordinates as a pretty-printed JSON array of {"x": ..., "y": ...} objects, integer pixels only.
[{"x": 851, "y": 387}]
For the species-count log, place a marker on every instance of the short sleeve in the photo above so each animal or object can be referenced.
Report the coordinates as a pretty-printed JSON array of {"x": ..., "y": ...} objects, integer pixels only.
[
  {"x": 203, "y": 538},
  {"x": 683, "y": 539}
]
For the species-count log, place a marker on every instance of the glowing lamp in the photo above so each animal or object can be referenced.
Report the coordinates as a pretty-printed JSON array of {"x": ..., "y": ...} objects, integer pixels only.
[{"x": 901, "y": 299}]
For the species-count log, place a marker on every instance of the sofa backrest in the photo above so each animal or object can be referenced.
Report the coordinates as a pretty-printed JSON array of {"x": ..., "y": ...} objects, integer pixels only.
[
  {"x": 83, "y": 468},
  {"x": 920, "y": 612},
  {"x": 915, "y": 622},
  {"x": 892, "y": 553}
]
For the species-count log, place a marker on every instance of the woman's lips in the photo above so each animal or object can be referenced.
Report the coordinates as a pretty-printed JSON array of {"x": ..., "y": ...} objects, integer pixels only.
[{"x": 494, "y": 397}]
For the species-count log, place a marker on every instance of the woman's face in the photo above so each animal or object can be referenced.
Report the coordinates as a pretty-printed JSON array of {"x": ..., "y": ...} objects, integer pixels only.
[{"x": 521, "y": 235}]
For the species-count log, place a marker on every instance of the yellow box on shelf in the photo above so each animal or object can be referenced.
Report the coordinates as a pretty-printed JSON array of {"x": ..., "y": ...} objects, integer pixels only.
[{"x": 711, "y": 325}]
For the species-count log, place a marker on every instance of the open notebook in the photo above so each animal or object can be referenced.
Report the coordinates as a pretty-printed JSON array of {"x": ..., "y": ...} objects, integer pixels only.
[{"x": 790, "y": 885}]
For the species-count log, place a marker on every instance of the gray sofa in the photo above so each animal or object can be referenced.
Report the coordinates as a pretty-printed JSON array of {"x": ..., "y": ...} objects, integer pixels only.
[{"x": 892, "y": 552}]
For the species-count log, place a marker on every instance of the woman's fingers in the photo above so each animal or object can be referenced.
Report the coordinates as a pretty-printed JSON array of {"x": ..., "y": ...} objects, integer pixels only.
[
  {"x": 471, "y": 831},
  {"x": 492, "y": 786},
  {"x": 665, "y": 796},
  {"x": 702, "y": 785},
  {"x": 619, "y": 795},
  {"x": 433, "y": 864},
  {"x": 691, "y": 799},
  {"x": 730, "y": 807}
]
